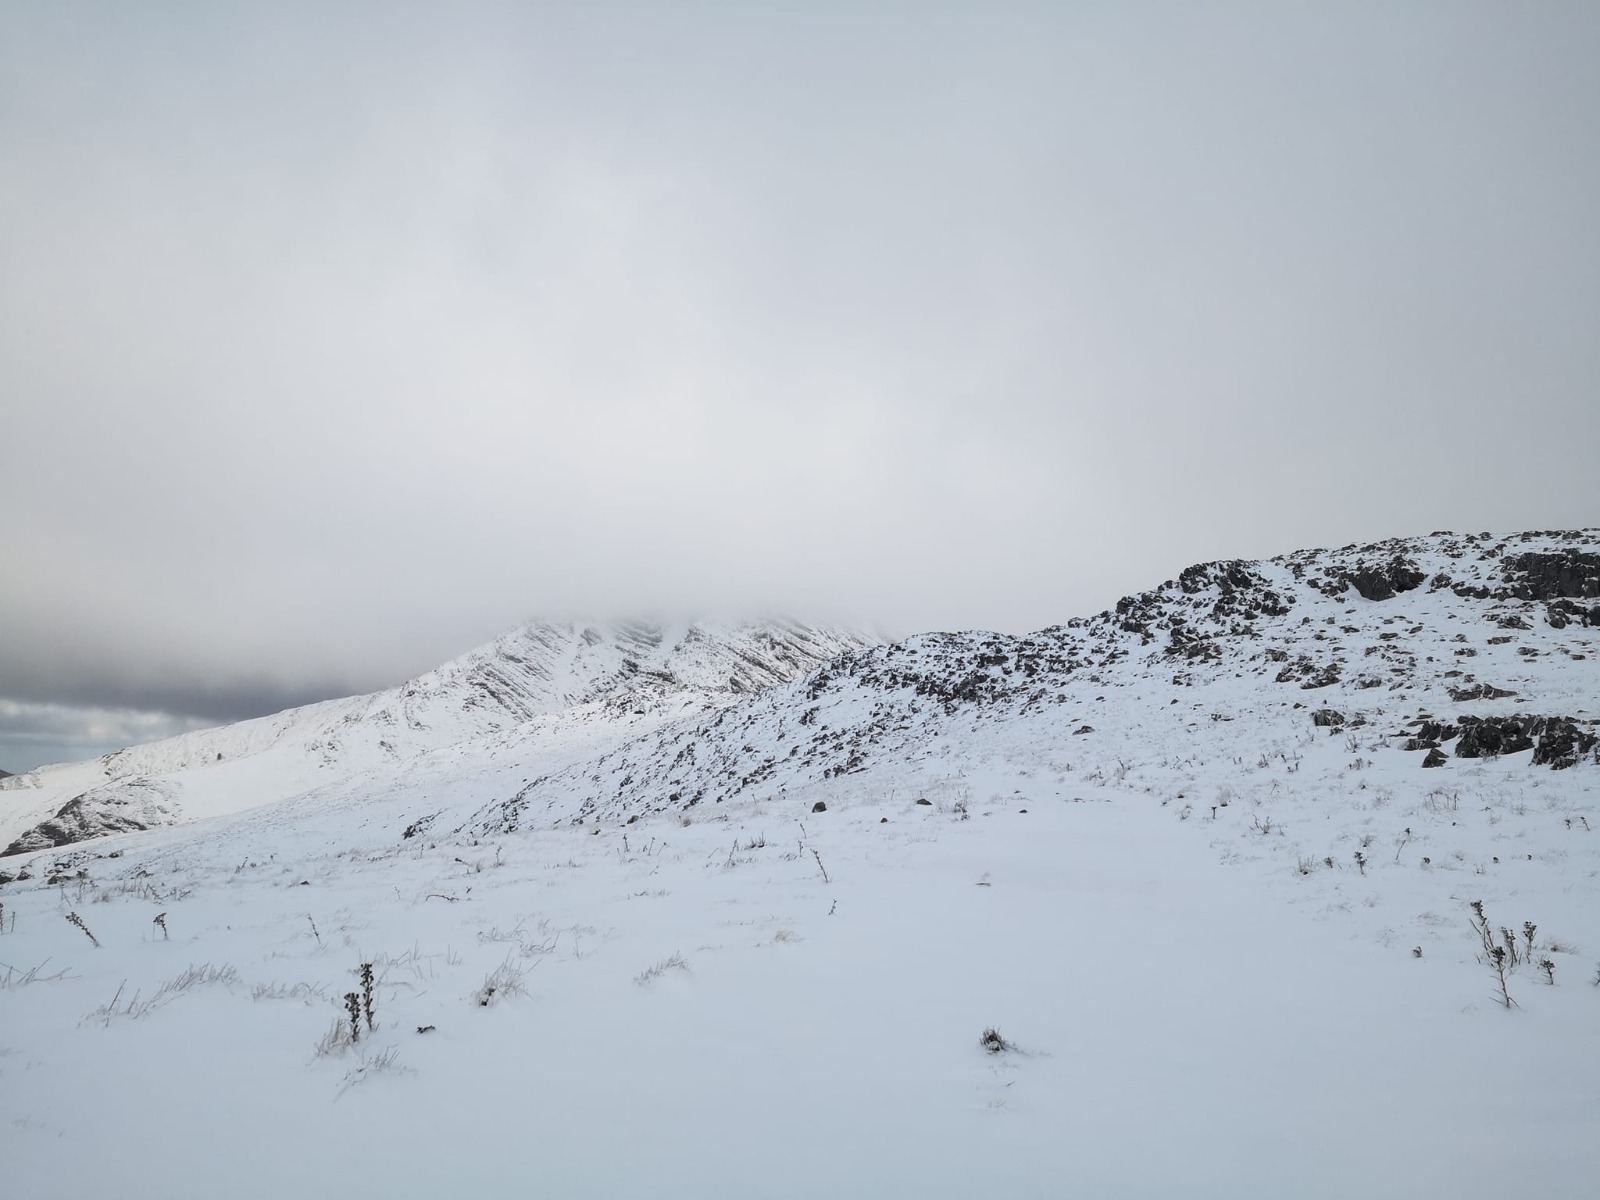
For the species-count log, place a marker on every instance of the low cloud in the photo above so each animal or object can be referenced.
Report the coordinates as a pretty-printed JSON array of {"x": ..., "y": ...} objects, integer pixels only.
[
  {"x": 33, "y": 735},
  {"x": 331, "y": 348}
]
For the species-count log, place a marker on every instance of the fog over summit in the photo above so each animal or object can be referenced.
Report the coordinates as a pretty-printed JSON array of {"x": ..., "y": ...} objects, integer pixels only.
[{"x": 332, "y": 346}]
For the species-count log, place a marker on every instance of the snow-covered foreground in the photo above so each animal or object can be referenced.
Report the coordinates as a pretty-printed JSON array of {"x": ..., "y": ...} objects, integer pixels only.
[
  {"x": 1179, "y": 1029},
  {"x": 1208, "y": 862}
]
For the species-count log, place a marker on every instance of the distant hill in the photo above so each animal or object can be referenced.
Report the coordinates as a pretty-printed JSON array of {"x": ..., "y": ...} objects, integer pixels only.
[{"x": 553, "y": 692}]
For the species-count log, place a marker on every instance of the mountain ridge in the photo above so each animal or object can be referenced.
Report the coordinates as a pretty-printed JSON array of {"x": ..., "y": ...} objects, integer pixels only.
[
  {"x": 1267, "y": 621},
  {"x": 1444, "y": 639},
  {"x": 625, "y": 673}
]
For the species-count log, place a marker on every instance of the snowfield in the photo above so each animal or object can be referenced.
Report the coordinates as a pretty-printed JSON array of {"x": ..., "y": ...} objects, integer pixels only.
[{"x": 1184, "y": 857}]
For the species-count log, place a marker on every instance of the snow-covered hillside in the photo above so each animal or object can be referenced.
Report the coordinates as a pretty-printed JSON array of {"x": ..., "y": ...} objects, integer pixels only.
[
  {"x": 559, "y": 689},
  {"x": 1282, "y": 878},
  {"x": 1487, "y": 646}
]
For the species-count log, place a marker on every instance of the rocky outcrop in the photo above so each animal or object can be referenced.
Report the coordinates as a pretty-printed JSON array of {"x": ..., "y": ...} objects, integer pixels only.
[
  {"x": 1385, "y": 580},
  {"x": 1556, "y": 742},
  {"x": 121, "y": 807},
  {"x": 1479, "y": 691},
  {"x": 1561, "y": 613},
  {"x": 1563, "y": 743},
  {"x": 1545, "y": 576},
  {"x": 1563, "y": 580}
]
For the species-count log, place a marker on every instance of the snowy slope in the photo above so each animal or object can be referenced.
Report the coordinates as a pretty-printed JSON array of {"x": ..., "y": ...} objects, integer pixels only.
[
  {"x": 524, "y": 686},
  {"x": 1184, "y": 854},
  {"x": 1425, "y": 642}
]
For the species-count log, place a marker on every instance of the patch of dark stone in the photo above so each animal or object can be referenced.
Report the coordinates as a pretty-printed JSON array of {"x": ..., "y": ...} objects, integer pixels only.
[
  {"x": 1556, "y": 742},
  {"x": 1384, "y": 580}
]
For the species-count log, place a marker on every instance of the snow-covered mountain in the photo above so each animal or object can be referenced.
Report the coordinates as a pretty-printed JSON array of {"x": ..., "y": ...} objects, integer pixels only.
[
  {"x": 1280, "y": 878},
  {"x": 1456, "y": 647},
  {"x": 547, "y": 687}
]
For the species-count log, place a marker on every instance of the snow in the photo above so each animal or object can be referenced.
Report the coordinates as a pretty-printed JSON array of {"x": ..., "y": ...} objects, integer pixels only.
[
  {"x": 1207, "y": 995},
  {"x": 552, "y": 692}
]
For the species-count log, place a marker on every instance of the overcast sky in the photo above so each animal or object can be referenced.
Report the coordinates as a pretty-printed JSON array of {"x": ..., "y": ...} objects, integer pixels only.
[{"x": 335, "y": 339}]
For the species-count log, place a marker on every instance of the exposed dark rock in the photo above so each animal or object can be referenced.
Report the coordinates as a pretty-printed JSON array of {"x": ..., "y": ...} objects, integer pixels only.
[
  {"x": 75, "y": 821},
  {"x": 1552, "y": 576},
  {"x": 420, "y": 825},
  {"x": 1325, "y": 718},
  {"x": 121, "y": 806},
  {"x": 1436, "y": 758},
  {"x": 819, "y": 806},
  {"x": 1561, "y": 613},
  {"x": 1485, "y": 736},
  {"x": 1228, "y": 576},
  {"x": 1326, "y": 676},
  {"x": 1243, "y": 593},
  {"x": 1384, "y": 581},
  {"x": 1562, "y": 743},
  {"x": 1478, "y": 691},
  {"x": 921, "y": 800}
]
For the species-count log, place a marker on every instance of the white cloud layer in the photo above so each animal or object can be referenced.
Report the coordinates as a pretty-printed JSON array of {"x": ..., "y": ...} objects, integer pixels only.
[{"x": 334, "y": 338}]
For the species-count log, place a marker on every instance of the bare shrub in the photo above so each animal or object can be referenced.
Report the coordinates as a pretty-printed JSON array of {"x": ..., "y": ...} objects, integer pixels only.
[
  {"x": 651, "y": 974},
  {"x": 383, "y": 1062},
  {"x": 135, "y": 1007},
  {"x": 505, "y": 980},
  {"x": 303, "y": 992},
  {"x": 336, "y": 1041},
  {"x": 12, "y": 977},
  {"x": 75, "y": 919}
]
